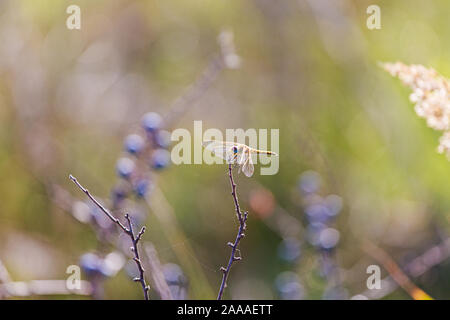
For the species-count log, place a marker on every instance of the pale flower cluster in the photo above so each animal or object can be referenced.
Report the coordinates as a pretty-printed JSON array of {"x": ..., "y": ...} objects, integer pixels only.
[{"x": 431, "y": 94}]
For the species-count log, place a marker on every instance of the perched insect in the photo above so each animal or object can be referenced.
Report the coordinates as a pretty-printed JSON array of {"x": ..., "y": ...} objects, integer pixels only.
[{"x": 235, "y": 153}]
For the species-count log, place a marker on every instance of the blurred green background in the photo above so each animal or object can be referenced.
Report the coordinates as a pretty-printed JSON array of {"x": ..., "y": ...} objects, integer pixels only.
[{"x": 68, "y": 98}]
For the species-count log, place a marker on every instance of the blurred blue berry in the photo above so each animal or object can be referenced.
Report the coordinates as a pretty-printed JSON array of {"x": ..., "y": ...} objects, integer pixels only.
[
  {"x": 289, "y": 249},
  {"x": 289, "y": 287},
  {"x": 134, "y": 143},
  {"x": 113, "y": 263},
  {"x": 151, "y": 121},
  {"x": 141, "y": 187},
  {"x": 118, "y": 194},
  {"x": 334, "y": 204},
  {"x": 160, "y": 159},
  {"x": 125, "y": 167},
  {"x": 176, "y": 280},
  {"x": 309, "y": 182},
  {"x": 328, "y": 238},
  {"x": 162, "y": 138},
  {"x": 313, "y": 232},
  {"x": 317, "y": 213},
  {"x": 92, "y": 265},
  {"x": 173, "y": 274}
]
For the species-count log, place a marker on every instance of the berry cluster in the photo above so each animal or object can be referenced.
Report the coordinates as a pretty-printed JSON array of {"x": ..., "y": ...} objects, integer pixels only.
[
  {"x": 147, "y": 150},
  {"x": 321, "y": 213}
]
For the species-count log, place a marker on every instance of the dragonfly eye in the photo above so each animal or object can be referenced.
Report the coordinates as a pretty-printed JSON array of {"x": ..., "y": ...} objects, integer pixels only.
[{"x": 235, "y": 149}]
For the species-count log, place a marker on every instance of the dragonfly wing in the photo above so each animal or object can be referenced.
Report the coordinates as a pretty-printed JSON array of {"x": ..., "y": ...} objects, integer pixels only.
[
  {"x": 243, "y": 154},
  {"x": 241, "y": 160},
  {"x": 247, "y": 167},
  {"x": 220, "y": 149}
]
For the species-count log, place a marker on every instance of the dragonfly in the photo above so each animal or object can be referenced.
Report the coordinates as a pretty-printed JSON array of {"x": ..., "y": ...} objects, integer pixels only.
[{"x": 235, "y": 153}]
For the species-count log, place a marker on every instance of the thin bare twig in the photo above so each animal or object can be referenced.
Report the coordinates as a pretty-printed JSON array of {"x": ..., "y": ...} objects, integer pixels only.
[
  {"x": 128, "y": 231},
  {"x": 137, "y": 259},
  {"x": 242, "y": 217}
]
